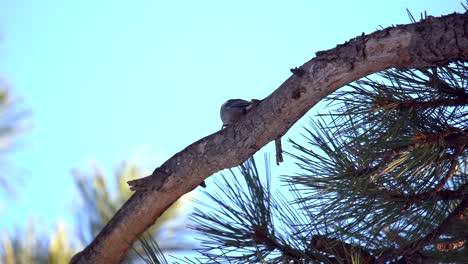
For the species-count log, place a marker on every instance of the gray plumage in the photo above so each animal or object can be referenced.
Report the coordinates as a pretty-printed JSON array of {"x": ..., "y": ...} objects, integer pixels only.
[{"x": 232, "y": 110}]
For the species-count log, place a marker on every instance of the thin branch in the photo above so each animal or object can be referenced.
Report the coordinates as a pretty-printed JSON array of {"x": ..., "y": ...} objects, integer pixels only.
[
  {"x": 261, "y": 237},
  {"x": 439, "y": 195},
  {"x": 417, "y": 104},
  {"x": 279, "y": 151},
  {"x": 341, "y": 249},
  {"x": 428, "y": 239}
]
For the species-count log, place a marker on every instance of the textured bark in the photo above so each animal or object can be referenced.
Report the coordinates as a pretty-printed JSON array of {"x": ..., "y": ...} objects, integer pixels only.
[{"x": 433, "y": 42}]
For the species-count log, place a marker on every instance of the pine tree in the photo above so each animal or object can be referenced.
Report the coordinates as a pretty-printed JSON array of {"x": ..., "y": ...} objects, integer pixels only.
[
  {"x": 382, "y": 177},
  {"x": 14, "y": 122}
]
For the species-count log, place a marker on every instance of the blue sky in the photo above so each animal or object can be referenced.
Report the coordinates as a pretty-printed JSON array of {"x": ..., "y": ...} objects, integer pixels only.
[{"x": 113, "y": 80}]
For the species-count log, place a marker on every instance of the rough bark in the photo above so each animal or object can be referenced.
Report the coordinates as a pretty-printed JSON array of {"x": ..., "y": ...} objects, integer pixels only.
[{"x": 432, "y": 42}]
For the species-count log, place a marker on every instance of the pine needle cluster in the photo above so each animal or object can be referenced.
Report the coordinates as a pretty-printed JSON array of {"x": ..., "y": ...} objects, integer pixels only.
[{"x": 382, "y": 178}]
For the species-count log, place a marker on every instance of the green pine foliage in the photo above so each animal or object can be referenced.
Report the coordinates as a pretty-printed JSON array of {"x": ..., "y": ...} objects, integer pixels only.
[
  {"x": 250, "y": 222},
  {"x": 32, "y": 248},
  {"x": 382, "y": 177},
  {"x": 14, "y": 122}
]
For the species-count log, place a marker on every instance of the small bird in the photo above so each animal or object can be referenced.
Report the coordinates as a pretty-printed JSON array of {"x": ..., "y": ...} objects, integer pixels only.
[{"x": 232, "y": 110}]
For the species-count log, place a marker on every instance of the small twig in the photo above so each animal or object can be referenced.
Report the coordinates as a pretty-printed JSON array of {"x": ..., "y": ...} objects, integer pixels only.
[
  {"x": 279, "y": 151},
  {"x": 152, "y": 182}
]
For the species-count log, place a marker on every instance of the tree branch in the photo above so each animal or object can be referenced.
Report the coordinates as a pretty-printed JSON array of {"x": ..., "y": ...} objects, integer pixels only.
[
  {"x": 342, "y": 250},
  {"x": 432, "y": 42},
  {"x": 417, "y": 104},
  {"x": 431, "y": 237},
  {"x": 422, "y": 197},
  {"x": 261, "y": 237}
]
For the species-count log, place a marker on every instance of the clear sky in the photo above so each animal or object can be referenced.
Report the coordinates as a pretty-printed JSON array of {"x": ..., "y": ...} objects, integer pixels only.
[{"x": 112, "y": 80}]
